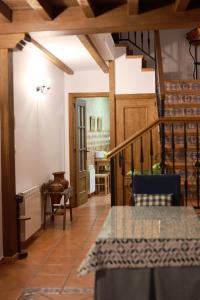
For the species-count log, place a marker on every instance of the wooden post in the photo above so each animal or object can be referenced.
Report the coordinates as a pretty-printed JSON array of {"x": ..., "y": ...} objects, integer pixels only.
[
  {"x": 112, "y": 104},
  {"x": 9, "y": 208}
]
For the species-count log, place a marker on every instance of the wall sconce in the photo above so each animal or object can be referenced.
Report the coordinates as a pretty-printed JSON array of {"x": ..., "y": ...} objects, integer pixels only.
[{"x": 43, "y": 89}]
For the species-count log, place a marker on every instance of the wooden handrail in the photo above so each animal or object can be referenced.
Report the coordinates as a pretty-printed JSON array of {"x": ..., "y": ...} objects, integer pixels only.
[
  {"x": 159, "y": 65},
  {"x": 136, "y": 136}
]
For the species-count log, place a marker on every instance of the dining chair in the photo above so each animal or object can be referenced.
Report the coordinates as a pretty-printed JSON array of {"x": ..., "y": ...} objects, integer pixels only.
[{"x": 158, "y": 184}]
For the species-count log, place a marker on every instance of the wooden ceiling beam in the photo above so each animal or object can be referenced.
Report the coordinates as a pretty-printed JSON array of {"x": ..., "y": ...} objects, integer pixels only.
[
  {"x": 181, "y": 5},
  {"x": 43, "y": 8},
  {"x": 5, "y": 12},
  {"x": 72, "y": 21},
  {"x": 10, "y": 41},
  {"x": 87, "y": 43},
  {"x": 133, "y": 7},
  {"x": 86, "y": 8},
  {"x": 51, "y": 57}
]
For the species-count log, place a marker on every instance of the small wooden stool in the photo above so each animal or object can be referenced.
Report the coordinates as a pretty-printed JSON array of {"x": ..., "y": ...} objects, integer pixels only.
[
  {"x": 58, "y": 209},
  {"x": 102, "y": 180}
]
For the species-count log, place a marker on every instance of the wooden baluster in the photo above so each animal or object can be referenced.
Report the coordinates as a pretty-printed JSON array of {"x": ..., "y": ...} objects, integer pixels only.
[
  {"x": 173, "y": 147},
  {"x": 148, "y": 42},
  {"x": 141, "y": 155},
  {"x": 151, "y": 151},
  {"x": 132, "y": 167},
  {"x": 186, "y": 175},
  {"x": 197, "y": 165},
  {"x": 113, "y": 180}
]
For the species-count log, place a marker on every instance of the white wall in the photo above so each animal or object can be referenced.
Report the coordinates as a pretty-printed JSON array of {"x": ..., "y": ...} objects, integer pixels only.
[
  {"x": 39, "y": 119},
  {"x": 130, "y": 78},
  {"x": 177, "y": 62},
  {"x": 87, "y": 82}
]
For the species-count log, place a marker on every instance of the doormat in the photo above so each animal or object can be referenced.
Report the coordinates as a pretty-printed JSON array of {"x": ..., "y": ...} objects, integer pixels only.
[{"x": 45, "y": 293}]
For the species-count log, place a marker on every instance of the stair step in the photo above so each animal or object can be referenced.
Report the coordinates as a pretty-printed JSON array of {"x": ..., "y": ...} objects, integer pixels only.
[
  {"x": 182, "y": 92},
  {"x": 180, "y": 147},
  {"x": 132, "y": 56},
  {"x": 177, "y": 111},
  {"x": 181, "y": 132},
  {"x": 182, "y": 105},
  {"x": 182, "y": 85},
  {"x": 148, "y": 69},
  {"x": 180, "y": 165},
  {"x": 182, "y": 99}
]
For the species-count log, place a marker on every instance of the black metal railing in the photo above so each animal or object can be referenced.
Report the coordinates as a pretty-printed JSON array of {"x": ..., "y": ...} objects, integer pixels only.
[
  {"x": 141, "y": 154},
  {"x": 143, "y": 41}
]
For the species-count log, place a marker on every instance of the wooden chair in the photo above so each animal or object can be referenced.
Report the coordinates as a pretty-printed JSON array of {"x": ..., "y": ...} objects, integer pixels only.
[
  {"x": 102, "y": 180},
  {"x": 158, "y": 184}
]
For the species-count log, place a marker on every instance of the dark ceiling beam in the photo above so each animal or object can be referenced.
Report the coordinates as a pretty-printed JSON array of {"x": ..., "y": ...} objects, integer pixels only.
[
  {"x": 133, "y": 7},
  {"x": 5, "y": 12},
  {"x": 181, "y": 5},
  {"x": 86, "y": 8},
  {"x": 72, "y": 21},
  {"x": 87, "y": 43},
  {"x": 43, "y": 7}
]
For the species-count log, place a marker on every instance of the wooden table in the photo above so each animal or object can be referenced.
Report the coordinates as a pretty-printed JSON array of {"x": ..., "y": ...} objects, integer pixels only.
[{"x": 58, "y": 209}]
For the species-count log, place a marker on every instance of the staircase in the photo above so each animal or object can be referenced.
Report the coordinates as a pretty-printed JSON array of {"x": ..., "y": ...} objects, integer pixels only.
[
  {"x": 182, "y": 99},
  {"x": 176, "y": 132}
]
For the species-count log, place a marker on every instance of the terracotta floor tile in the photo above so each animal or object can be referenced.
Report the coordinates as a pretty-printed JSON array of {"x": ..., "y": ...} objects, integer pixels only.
[
  {"x": 10, "y": 294},
  {"x": 55, "y": 269},
  {"x": 47, "y": 281},
  {"x": 54, "y": 259},
  {"x": 55, "y": 255}
]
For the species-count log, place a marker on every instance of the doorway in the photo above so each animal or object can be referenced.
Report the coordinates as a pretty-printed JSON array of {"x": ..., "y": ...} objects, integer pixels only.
[{"x": 89, "y": 137}]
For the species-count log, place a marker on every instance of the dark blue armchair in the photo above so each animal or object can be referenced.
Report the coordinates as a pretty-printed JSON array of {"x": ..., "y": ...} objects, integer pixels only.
[{"x": 158, "y": 184}]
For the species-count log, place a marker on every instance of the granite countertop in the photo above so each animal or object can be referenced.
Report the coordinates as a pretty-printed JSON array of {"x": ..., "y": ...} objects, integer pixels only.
[{"x": 151, "y": 222}]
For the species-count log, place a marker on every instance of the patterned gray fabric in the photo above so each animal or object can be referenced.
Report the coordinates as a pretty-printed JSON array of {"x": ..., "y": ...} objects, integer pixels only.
[
  {"x": 141, "y": 253},
  {"x": 153, "y": 200}
]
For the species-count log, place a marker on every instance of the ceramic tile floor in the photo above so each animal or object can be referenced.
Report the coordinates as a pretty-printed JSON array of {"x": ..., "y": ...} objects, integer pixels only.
[{"x": 49, "y": 271}]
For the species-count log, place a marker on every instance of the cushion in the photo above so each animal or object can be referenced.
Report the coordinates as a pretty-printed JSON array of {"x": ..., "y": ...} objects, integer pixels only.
[{"x": 153, "y": 199}]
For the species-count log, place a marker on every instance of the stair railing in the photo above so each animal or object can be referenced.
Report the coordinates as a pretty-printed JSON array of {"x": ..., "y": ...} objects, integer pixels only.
[
  {"x": 140, "y": 40},
  {"x": 140, "y": 153}
]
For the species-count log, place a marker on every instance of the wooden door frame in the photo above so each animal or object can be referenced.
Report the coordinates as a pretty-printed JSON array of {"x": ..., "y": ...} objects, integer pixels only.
[{"x": 72, "y": 160}]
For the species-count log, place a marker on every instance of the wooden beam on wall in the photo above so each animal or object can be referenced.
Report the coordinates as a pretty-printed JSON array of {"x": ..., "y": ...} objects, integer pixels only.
[
  {"x": 52, "y": 58},
  {"x": 133, "y": 7},
  {"x": 43, "y": 8},
  {"x": 112, "y": 104},
  {"x": 87, "y": 43},
  {"x": 72, "y": 21},
  {"x": 181, "y": 5},
  {"x": 8, "y": 154},
  {"x": 86, "y": 8}
]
